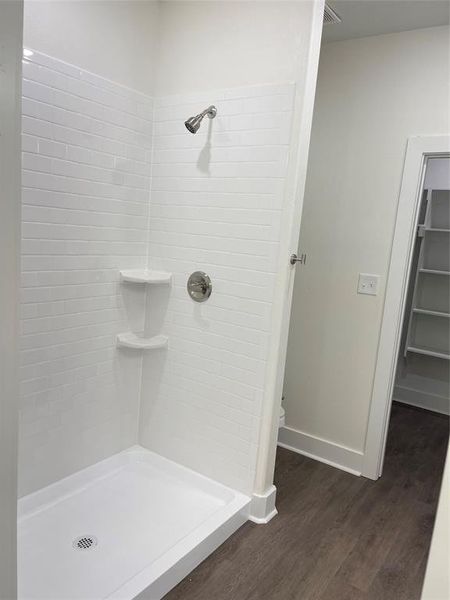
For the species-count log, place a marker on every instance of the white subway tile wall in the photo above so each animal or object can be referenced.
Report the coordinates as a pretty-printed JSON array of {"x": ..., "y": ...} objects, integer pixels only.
[
  {"x": 109, "y": 182},
  {"x": 216, "y": 205},
  {"x": 86, "y": 190}
]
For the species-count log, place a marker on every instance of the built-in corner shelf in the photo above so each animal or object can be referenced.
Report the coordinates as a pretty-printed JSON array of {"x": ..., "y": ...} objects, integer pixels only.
[
  {"x": 146, "y": 276},
  {"x": 139, "y": 341},
  {"x": 132, "y": 340}
]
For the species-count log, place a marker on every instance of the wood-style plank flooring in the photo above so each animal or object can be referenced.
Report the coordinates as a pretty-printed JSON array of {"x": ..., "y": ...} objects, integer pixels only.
[{"x": 337, "y": 536}]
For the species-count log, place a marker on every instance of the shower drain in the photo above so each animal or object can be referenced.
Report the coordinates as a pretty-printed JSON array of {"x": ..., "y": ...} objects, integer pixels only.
[{"x": 85, "y": 542}]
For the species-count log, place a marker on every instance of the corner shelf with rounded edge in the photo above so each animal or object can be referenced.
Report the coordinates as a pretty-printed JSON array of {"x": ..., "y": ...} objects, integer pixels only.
[
  {"x": 138, "y": 342},
  {"x": 146, "y": 276}
]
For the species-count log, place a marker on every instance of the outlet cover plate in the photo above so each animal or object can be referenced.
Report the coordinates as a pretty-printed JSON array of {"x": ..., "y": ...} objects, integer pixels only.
[{"x": 368, "y": 284}]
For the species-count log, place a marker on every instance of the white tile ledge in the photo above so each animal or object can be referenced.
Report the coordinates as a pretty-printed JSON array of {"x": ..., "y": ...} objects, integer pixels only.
[
  {"x": 137, "y": 342},
  {"x": 145, "y": 276}
]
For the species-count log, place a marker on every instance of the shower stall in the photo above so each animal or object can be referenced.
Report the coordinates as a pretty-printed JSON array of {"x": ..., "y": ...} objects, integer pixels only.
[{"x": 155, "y": 281}]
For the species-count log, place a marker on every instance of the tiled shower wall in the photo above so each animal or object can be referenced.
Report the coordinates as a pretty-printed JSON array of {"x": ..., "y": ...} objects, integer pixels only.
[
  {"x": 86, "y": 166},
  {"x": 216, "y": 205},
  {"x": 216, "y": 202}
]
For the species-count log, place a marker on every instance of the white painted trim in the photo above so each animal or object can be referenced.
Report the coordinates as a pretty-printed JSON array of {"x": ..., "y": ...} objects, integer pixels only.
[
  {"x": 262, "y": 506},
  {"x": 421, "y": 399},
  {"x": 418, "y": 150},
  {"x": 291, "y": 219},
  {"x": 330, "y": 453}
]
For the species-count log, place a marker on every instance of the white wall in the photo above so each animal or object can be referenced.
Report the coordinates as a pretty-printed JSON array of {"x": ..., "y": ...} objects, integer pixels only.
[
  {"x": 216, "y": 205},
  {"x": 221, "y": 46},
  {"x": 231, "y": 185},
  {"x": 10, "y": 83},
  {"x": 85, "y": 204},
  {"x": 373, "y": 93},
  {"x": 87, "y": 152},
  {"x": 113, "y": 39},
  {"x": 86, "y": 191},
  {"x": 217, "y": 45}
]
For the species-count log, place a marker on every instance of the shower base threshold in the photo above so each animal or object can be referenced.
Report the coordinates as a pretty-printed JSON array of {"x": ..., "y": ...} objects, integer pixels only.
[{"x": 131, "y": 526}]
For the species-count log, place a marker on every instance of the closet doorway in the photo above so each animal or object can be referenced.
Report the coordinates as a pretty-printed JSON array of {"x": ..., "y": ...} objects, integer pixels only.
[{"x": 414, "y": 351}]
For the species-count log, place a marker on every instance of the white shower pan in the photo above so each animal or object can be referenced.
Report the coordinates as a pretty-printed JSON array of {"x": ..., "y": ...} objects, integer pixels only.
[{"x": 131, "y": 526}]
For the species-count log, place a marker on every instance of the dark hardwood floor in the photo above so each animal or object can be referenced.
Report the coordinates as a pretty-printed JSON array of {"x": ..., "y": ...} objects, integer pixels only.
[{"x": 337, "y": 536}]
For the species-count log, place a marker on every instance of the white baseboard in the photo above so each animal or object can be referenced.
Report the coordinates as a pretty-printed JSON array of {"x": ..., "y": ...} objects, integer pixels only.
[
  {"x": 322, "y": 450},
  {"x": 421, "y": 399},
  {"x": 262, "y": 506}
]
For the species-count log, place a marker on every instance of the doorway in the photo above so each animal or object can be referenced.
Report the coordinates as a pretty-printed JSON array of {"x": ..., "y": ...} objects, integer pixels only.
[
  {"x": 367, "y": 108},
  {"x": 413, "y": 353}
]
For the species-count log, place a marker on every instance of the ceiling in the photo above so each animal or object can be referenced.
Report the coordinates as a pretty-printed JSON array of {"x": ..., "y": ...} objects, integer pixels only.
[{"x": 361, "y": 18}]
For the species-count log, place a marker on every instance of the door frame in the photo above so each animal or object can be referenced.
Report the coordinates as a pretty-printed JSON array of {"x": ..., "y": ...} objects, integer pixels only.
[
  {"x": 264, "y": 492},
  {"x": 418, "y": 150}
]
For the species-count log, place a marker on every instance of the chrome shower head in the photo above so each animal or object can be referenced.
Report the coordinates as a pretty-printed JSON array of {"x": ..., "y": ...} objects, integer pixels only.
[{"x": 193, "y": 123}]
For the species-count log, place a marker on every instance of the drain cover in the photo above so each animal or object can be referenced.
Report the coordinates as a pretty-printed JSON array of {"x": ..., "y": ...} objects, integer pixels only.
[{"x": 85, "y": 542}]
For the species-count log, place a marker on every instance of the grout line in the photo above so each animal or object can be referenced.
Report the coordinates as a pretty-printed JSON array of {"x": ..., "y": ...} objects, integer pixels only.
[
  {"x": 92, "y": 85},
  {"x": 91, "y": 164},
  {"x": 69, "y": 314},
  {"x": 84, "y": 179},
  {"x": 130, "y": 91},
  {"x": 83, "y": 131}
]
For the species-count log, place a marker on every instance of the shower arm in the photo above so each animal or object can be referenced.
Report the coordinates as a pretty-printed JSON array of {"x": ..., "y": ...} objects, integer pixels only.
[{"x": 209, "y": 112}]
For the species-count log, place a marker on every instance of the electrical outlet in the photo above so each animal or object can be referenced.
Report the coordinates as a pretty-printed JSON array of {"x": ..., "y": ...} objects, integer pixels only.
[{"x": 368, "y": 284}]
